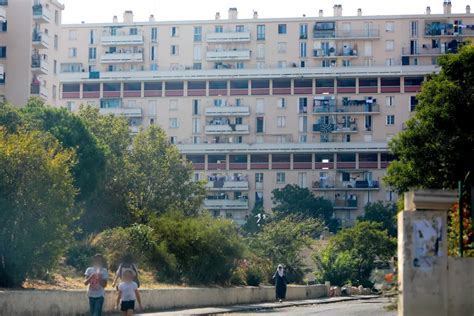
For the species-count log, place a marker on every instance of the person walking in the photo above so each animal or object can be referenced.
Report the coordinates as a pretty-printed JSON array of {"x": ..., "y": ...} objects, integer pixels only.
[
  {"x": 280, "y": 283},
  {"x": 96, "y": 278},
  {"x": 128, "y": 294},
  {"x": 127, "y": 264}
]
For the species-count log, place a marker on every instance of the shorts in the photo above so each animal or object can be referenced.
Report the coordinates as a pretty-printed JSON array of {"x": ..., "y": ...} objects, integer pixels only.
[{"x": 127, "y": 305}]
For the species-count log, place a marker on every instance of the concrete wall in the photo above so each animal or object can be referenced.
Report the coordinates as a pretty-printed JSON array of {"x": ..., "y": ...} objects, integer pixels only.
[
  {"x": 460, "y": 286},
  {"x": 74, "y": 303}
]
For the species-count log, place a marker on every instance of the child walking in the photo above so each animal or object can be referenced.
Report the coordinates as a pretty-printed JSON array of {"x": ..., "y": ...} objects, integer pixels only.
[
  {"x": 128, "y": 293},
  {"x": 96, "y": 278}
]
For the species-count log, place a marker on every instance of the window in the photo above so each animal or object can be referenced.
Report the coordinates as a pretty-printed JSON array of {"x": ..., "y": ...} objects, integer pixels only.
[
  {"x": 281, "y": 28},
  {"x": 346, "y": 63},
  {"x": 173, "y": 122},
  {"x": 413, "y": 103},
  {"x": 239, "y": 28},
  {"x": 303, "y": 105},
  {"x": 72, "y": 35},
  {"x": 197, "y": 52},
  {"x": 389, "y": 45},
  {"x": 173, "y": 139},
  {"x": 173, "y": 106},
  {"x": 174, "y": 32},
  {"x": 260, "y": 122},
  {"x": 218, "y": 29},
  {"x": 390, "y": 62},
  {"x": 174, "y": 50},
  {"x": 281, "y": 177},
  {"x": 281, "y": 47},
  {"x": 92, "y": 53},
  {"x": 260, "y": 32},
  {"x": 56, "y": 42},
  {"x": 390, "y": 119},
  {"x": 198, "y": 33},
  {"x": 303, "y": 31},
  {"x": 414, "y": 28},
  {"x": 3, "y": 52},
  {"x": 196, "y": 107},
  {"x": 260, "y": 108},
  {"x": 390, "y": 26},
  {"x": 133, "y": 31},
  {"x": 302, "y": 181},
  {"x": 72, "y": 52},
  {"x": 303, "y": 124},
  {"x": 196, "y": 126},
  {"x": 92, "y": 37},
  {"x": 281, "y": 64},
  {"x": 303, "y": 49},
  {"x": 239, "y": 65},
  {"x": 390, "y": 101},
  {"x": 261, "y": 51},
  {"x": 153, "y": 53},
  {"x": 196, "y": 139},
  {"x": 55, "y": 67},
  {"x": 56, "y": 17},
  {"x": 281, "y": 121},
  {"x": 197, "y": 66},
  {"x": 282, "y": 103},
  {"x": 154, "y": 34},
  {"x": 259, "y": 178}
]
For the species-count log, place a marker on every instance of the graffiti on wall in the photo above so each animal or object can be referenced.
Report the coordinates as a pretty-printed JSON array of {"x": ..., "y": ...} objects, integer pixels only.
[{"x": 428, "y": 242}]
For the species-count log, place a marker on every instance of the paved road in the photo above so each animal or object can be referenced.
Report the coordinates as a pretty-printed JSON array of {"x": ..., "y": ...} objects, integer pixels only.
[
  {"x": 369, "y": 306},
  {"x": 375, "y": 307}
]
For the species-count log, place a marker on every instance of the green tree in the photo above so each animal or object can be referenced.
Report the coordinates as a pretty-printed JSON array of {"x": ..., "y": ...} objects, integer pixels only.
[
  {"x": 36, "y": 198},
  {"x": 196, "y": 250},
  {"x": 383, "y": 213},
  {"x": 282, "y": 242},
  {"x": 10, "y": 118},
  {"x": 108, "y": 208},
  {"x": 294, "y": 200},
  {"x": 351, "y": 254},
  {"x": 161, "y": 179},
  {"x": 72, "y": 133},
  {"x": 255, "y": 221},
  {"x": 437, "y": 148}
]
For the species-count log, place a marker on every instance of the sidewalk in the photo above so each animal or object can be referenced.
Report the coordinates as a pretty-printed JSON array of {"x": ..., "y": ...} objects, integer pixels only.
[{"x": 263, "y": 306}]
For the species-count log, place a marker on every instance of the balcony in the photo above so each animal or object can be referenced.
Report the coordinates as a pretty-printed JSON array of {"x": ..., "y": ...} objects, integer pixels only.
[
  {"x": 372, "y": 33},
  {"x": 39, "y": 65},
  {"x": 41, "y": 14},
  {"x": 117, "y": 40},
  {"x": 228, "y": 37},
  {"x": 214, "y": 204},
  {"x": 116, "y": 58},
  {"x": 227, "y": 184},
  {"x": 424, "y": 50},
  {"x": 334, "y": 128},
  {"x": 40, "y": 40},
  {"x": 126, "y": 112},
  {"x": 242, "y": 54},
  {"x": 346, "y": 203},
  {"x": 39, "y": 91},
  {"x": 345, "y": 53},
  {"x": 326, "y": 185},
  {"x": 228, "y": 111},
  {"x": 3, "y": 14},
  {"x": 227, "y": 129}
]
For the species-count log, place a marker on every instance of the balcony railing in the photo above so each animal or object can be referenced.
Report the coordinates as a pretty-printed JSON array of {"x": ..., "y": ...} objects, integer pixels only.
[
  {"x": 227, "y": 129},
  {"x": 422, "y": 50},
  {"x": 334, "y": 128},
  {"x": 227, "y": 184},
  {"x": 215, "y": 204},
  {"x": 122, "y": 40},
  {"x": 371, "y": 33},
  {"x": 228, "y": 111},
  {"x": 127, "y": 112},
  {"x": 39, "y": 64},
  {"x": 228, "y": 37},
  {"x": 122, "y": 58},
  {"x": 345, "y": 185},
  {"x": 346, "y": 53},
  {"x": 40, "y": 40},
  {"x": 242, "y": 54},
  {"x": 346, "y": 203},
  {"x": 39, "y": 90},
  {"x": 41, "y": 14}
]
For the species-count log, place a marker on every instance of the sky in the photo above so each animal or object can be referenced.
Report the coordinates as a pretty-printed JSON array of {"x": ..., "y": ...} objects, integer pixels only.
[{"x": 91, "y": 11}]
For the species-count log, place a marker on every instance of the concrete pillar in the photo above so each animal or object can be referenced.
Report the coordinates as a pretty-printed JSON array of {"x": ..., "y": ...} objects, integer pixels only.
[{"x": 423, "y": 253}]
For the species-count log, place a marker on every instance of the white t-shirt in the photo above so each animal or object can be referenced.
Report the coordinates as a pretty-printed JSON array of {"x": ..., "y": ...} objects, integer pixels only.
[
  {"x": 128, "y": 291},
  {"x": 95, "y": 288}
]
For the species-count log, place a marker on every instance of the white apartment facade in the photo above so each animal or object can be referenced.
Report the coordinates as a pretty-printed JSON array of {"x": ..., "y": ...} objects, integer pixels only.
[
  {"x": 256, "y": 104},
  {"x": 29, "y": 50}
]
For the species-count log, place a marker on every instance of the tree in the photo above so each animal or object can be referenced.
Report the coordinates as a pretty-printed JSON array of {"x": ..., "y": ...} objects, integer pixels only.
[
  {"x": 10, "y": 118},
  {"x": 294, "y": 200},
  {"x": 197, "y": 250},
  {"x": 108, "y": 208},
  {"x": 161, "y": 179},
  {"x": 351, "y": 254},
  {"x": 71, "y": 133},
  {"x": 437, "y": 148},
  {"x": 282, "y": 241},
  {"x": 383, "y": 213},
  {"x": 255, "y": 221},
  {"x": 36, "y": 198}
]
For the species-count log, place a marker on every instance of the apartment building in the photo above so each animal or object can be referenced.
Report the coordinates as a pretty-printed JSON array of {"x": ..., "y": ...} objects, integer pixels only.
[
  {"x": 29, "y": 50},
  {"x": 254, "y": 104}
]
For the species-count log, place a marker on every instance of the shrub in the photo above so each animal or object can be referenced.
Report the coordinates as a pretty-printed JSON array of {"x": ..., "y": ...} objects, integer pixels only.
[{"x": 80, "y": 253}]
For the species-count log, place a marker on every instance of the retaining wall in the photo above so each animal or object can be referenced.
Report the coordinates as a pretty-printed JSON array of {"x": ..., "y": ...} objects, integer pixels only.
[{"x": 74, "y": 303}]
